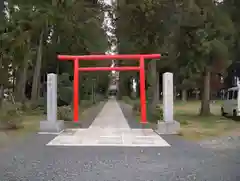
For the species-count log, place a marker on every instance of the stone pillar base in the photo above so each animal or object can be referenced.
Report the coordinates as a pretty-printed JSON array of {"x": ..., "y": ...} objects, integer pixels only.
[
  {"x": 52, "y": 127},
  {"x": 172, "y": 127}
]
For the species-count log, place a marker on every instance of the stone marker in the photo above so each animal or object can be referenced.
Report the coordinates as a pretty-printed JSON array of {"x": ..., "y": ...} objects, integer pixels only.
[
  {"x": 51, "y": 124},
  {"x": 168, "y": 125},
  {"x": 168, "y": 97}
]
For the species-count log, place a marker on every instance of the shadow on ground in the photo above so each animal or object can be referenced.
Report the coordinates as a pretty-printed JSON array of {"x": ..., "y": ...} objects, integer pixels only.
[
  {"x": 87, "y": 117},
  {"x": 133, "y": 122}
]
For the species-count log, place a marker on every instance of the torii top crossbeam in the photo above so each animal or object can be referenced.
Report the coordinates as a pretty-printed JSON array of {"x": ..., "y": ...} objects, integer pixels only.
[{"x": 109, "y": 57}]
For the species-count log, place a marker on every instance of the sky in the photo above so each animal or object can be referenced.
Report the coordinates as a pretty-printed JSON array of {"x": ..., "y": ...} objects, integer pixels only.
[{"x": 108, "y": 2}]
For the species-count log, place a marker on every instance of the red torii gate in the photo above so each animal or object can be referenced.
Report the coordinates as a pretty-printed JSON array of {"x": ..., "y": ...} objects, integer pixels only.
[{"x": 140, "y": 68}]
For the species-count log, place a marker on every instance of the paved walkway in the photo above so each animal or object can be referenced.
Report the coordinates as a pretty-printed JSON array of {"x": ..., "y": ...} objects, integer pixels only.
[
  {"x": 111, "y": 116},
  {"x": 110, "y": 128}
]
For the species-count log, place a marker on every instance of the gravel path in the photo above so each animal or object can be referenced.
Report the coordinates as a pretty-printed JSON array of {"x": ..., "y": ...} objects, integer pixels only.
[
  {"x": 222, "y": 143},
  {"x": 32, "y": 160}
]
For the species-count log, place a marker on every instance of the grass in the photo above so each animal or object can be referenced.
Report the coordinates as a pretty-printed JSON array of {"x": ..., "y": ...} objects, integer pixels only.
[
  {"x": 195, "y": 127},
  {"x": 31, "y": 120},
  {"x": 30, "y": 125}
]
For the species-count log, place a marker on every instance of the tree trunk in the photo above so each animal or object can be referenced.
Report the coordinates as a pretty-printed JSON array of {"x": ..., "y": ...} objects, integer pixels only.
[
  {"x": 174, "y": 93},
  {"x": 21, "y": 87},
  {"x": 123, "y": 87},
  {"x": 1, "y": 85},
  {"x": 37, "y": 71},
  {"x": 197, "y": 95},
  {"x": 14, "y": 80},
  {"x": 184, "y": 95},
  {"x": 39, "y": 91},
  {"x": 1, "y": 95},
  {"x": 153, "y": 84},
  {"x": 205, "y": 102},
  {"x": 22, "y": 77},
  {"x": 17, "y": 82},
  {"x": 157, "y": 88}
]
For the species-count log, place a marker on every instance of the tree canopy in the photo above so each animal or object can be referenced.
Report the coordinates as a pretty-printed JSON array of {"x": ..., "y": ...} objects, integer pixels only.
[{"x": 198, "y": 40}]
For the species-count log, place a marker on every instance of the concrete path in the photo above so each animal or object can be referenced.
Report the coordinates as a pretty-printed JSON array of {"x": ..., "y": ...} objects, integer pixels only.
[
  {"x": 111, "y": 116},
  {"x": 110, "y": 128}
]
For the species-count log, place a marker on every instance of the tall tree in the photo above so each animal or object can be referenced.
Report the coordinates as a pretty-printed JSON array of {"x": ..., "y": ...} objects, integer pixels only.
[
  {"x": 207, "y": 34},
  {"x": 145, "y": 27},
  {"x": 2, "y": 17},
  {"x": 38, "y": 31}
]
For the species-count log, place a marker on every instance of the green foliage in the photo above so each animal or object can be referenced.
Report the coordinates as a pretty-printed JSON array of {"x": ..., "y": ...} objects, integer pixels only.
[
  {"x": 152, "y": 115},
  {"x": 86, "y": 103},
  {"x": 41, "y": 102},
  {"x": 65, "y": 113},
  {"x": 183, "y": 122},
  {"x": 127, "y": 100},
  {"x": 72, "y": 32},
  {"x": 159, "y": 111},
  {"x": 196, "y": 34},
  {"x": 64, "y": 80},
  {"x": 11, "y": 116},
  {"x": 65, "y": 95},
  {"x": 208, "y": 42},
  {"x": 65, "y": 90},
  {"x": 99, "y": 97},
  {"x": 155, "y": 115},
  {"x": 136, "y": 107},
  {"x": 36, "y": 105}
]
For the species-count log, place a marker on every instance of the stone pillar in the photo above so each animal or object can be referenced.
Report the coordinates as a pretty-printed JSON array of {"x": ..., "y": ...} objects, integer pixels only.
[
  {"x": 51, "y": 124},
  {"x": 52, "y": 97},
  {"x": 168, "y": 125},
  {"x": 168, "y": 97}
]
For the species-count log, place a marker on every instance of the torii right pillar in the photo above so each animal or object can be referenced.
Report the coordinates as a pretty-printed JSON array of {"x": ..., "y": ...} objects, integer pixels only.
[{"x": 168, "y": 125}]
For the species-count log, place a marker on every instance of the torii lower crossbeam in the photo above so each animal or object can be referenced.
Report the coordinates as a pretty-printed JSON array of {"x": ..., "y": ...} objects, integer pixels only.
[{"x": 140, "y": 68}]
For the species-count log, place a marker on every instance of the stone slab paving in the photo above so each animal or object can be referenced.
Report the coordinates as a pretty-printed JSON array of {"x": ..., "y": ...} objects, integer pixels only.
[
  {"x": 111, "y": 116},
  {"x": 109, "y": 137},
  {"x": 110, "y": 128}
]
